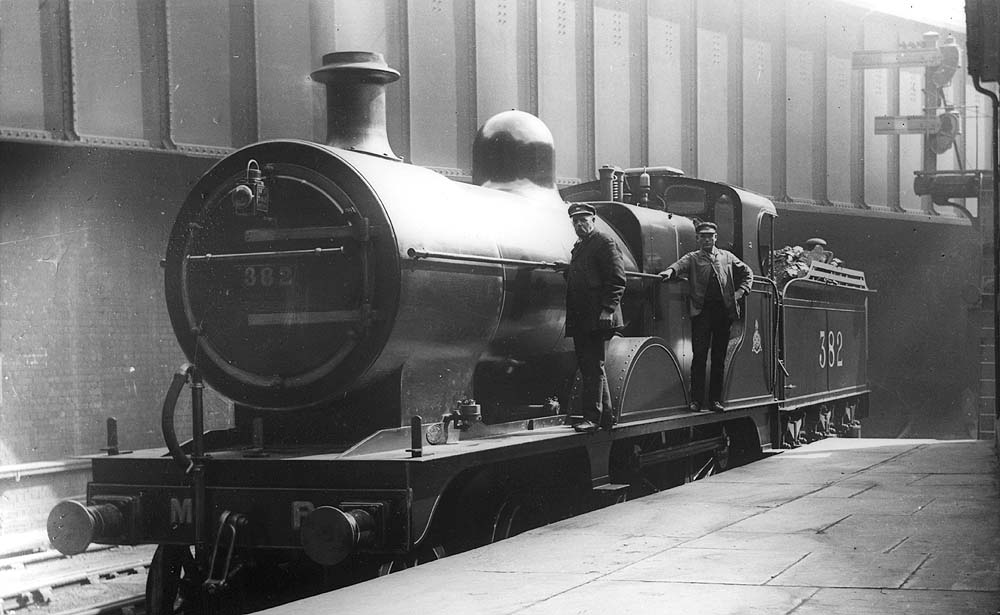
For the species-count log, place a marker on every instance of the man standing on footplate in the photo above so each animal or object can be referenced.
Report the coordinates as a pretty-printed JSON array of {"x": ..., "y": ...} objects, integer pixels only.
[
  {"x": 717, "y": 282},
  {"x": 595, "y": 283}
]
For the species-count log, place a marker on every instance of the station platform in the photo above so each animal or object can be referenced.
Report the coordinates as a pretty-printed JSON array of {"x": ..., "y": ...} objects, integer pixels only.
[{"x": 841, "y": 526}]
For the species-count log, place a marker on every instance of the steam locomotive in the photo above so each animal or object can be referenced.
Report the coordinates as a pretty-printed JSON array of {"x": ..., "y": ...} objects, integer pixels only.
[{"x": 393, "y": 345}]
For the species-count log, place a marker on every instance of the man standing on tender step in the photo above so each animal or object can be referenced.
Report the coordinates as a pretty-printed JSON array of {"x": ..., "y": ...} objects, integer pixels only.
[{"x": 717, "y": 281}]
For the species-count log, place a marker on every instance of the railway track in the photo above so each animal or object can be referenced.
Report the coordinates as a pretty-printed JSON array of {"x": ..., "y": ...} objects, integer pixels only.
[
  {"x": 129, "y": 605},
  {"x": 100, "y": 581}
]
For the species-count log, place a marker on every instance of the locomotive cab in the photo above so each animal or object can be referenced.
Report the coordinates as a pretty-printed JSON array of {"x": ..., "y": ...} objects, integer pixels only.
[
  {"x": 767, "y": 358},
  {"x": 656, "y": 210}
]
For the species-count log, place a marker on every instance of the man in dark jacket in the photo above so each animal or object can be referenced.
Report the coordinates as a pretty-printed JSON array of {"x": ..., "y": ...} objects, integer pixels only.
[
  {"x": 595, "y": 282},
  {"x": 717, "y": 281}
]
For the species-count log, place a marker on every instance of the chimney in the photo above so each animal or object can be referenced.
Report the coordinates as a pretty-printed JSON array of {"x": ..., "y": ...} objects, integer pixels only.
[{"x": 355, "y": 100}]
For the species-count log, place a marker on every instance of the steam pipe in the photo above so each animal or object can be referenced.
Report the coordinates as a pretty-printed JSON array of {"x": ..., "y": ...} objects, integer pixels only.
[{"x": 167, "y": 418}]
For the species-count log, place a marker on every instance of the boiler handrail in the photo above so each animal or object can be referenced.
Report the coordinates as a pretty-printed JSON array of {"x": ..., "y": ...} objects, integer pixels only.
[{"x": 475, "y": 258}]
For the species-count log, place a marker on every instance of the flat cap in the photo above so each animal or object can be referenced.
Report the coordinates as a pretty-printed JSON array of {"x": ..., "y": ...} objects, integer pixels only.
[
  {"x": 706, "y": 227},
  {"x": 582, "y": 209},
  {"x": 815, "y": 241}
]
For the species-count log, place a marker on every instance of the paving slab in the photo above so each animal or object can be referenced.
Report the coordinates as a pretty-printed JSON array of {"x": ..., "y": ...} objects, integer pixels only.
[
  {"x": 903, "y": 602},
  {"x": 659, "y": 515},
  {"x": 781, "y": 521},
  {"x": 719, "y": 489},
  {"x": 843, "y": 489},
  {"x": 861, "y": 569},
  {"x": 979, "y": 481},
  {"x": 837, "y": 527},
  {"x": 890, "y": 504},
  {"x": 721, "y": 566},
  {"x": 585, "y": 553},
  {"x": 941, "y": 458},
  {"x": 923, "y": 533},
  {"x": 798, "y": 542},
  {"x": 869, "y": 489},
  {"x": 603, "y": 597},
  {"x": 980, "y": 508},
  {"x": 441, "y": 587},
  {"x": 957, "y": 571}
]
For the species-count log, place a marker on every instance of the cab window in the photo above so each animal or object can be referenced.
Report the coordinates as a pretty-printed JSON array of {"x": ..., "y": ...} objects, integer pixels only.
[
  {"x": 685, "y": 200},
  {"x": 765, "y": 244},
  {"x": 725, "y": 219}
]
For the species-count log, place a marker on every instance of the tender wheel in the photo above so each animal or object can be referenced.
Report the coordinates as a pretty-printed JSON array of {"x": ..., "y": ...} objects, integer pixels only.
[{"x": 174, "y": 582}]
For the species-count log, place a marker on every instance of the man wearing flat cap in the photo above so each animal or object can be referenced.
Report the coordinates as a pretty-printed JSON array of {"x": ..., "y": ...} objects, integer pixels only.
[
  {"x": 717, "y": 281},
  {"x": 595, "y": 283},
  {"x": 816, "y": 250}
]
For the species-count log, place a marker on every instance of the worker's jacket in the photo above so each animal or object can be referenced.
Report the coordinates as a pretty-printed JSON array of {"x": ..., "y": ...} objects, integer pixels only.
[
  {"x": 732, "y": 273},
  {"x": 595, "y": 281}
]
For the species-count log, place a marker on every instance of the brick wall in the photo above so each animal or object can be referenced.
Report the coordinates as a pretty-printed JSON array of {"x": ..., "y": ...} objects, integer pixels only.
[
  {"x": 27, "y": 493},
  {"x": 84, "y": 333}
]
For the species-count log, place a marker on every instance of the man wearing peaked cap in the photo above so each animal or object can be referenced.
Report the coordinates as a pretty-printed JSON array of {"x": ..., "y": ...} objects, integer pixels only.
[
  {"x": 717, "y": 281},
  {"x": 580, "y": 209},
  {"x": 595, "y": 283}
]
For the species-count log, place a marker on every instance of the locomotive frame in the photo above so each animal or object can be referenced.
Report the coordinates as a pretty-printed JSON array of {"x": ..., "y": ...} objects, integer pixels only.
[{"x": 357, "y": 447}]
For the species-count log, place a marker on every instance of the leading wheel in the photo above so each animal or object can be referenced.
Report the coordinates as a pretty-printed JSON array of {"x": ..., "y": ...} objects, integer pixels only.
[
  {"x": 421, "y": 556},
  {"x": 518, "y": 513},
  {"x": 174, "y": 582}
]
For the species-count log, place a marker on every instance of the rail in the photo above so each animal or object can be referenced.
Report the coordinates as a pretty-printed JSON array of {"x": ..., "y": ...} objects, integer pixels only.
[
  {"x": 133, "y": 604},
  {"x": 53, "y": 581}
]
